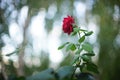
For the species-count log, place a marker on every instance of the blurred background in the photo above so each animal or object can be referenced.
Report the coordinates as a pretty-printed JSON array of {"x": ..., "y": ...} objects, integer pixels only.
[{"x": 31, "y": 32}]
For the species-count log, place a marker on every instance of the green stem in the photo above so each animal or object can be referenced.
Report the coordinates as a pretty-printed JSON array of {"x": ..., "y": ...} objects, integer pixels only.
[{"x": 73, "y": 72}]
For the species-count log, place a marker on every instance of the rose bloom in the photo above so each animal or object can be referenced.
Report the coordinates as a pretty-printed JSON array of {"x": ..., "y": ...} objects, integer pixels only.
[{"x": 67, "y": 24}]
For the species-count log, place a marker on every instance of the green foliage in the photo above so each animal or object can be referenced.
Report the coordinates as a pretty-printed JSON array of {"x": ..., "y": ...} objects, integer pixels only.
[
  {"x": 81, "y": 39},
  {"x": 79, "y": 51},
  {"x": 71, "y": 47},
  {"x": 88, "y": 33},
  {"x": 86, "y": 58},
  {"x": 73, "y": 33},
  {"x": 67, "y": 72},
  {"x": 82, "y": 61},
  {"x": 76, "y": 29},
  {"x": 87, "y": 47},
  {"x": 92, "y": 67},
  {"x": 76, "y": 58},
  {"x": 89, "y": 54}
]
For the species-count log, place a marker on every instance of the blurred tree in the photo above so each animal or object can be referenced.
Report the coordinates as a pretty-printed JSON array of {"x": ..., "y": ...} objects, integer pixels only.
[
  {"x": 109, "y": 56},
  {"x": 3, "y": 30}
]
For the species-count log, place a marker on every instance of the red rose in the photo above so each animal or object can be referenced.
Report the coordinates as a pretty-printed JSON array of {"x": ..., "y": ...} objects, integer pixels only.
[{"x": 67, "y": 24}]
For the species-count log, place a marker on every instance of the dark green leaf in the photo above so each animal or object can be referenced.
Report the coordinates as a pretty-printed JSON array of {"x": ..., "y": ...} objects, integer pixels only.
[
  {"x": 62, "y": 46},
  {"x": 71, "y": 47},
  {"x": 86, "y": 58},
  {"x": 65, "y": 72},
  {"x": 92, "y": 67},
  {"x": 81, "y": 39},
  {"x": 82, "y": 66},
  {"x": 73, "y": 33},
  {"x": 88, "y": 33},
  {"x": 89, "y": 54},
  {"x": 87, "y": 47}
]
